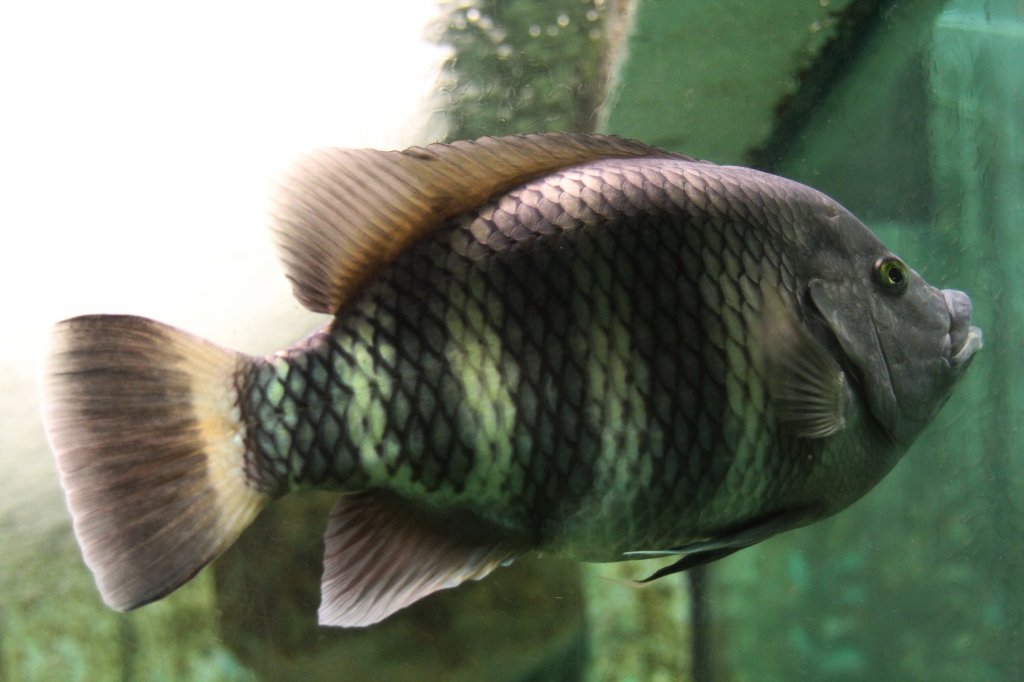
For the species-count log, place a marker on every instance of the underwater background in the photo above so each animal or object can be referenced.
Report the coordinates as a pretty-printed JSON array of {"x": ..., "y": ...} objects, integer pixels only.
[{"x": 910, "y": 113}]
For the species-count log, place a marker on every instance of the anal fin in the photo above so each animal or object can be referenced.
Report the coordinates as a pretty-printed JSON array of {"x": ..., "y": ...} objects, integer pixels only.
[{"x": 382, "y": 553}]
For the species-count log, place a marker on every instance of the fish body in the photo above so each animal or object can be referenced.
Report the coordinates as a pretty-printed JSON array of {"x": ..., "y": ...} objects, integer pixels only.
[{"x": 578, "y": 344}]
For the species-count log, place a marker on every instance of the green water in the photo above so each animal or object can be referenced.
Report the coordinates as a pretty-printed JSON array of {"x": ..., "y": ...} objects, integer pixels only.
[{"x": 909, "y": 113}]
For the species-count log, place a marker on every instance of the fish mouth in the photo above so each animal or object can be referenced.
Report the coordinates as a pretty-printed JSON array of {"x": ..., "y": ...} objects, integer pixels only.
[{"x": 964, "y": 338}]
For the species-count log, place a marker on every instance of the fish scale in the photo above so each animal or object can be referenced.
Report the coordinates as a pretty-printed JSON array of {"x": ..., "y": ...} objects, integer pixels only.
[
  {"x": 542, "y": 411},
  {"x": 579, "y": 344}
]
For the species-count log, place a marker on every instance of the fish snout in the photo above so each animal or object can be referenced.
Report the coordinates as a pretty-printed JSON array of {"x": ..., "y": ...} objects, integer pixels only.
[{"x": 964, "y": 338}]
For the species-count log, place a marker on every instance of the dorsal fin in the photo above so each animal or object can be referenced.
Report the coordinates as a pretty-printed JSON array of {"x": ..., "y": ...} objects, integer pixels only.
[{"x": 342, "y": 214}]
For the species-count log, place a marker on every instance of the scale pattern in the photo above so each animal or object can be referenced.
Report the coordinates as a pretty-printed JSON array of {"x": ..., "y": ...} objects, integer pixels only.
[{"x": 577, "y": 360}]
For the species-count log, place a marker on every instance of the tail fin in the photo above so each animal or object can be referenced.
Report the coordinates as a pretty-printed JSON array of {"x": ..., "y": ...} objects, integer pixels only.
[{"x": 147, "y": 432}]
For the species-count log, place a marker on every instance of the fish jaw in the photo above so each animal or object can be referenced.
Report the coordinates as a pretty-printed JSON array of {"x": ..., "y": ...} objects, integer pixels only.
[{"x": 963, "y": 340}]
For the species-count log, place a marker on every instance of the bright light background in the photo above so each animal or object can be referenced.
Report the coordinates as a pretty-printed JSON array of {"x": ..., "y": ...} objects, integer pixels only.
[{"x": 139, "y": 141}]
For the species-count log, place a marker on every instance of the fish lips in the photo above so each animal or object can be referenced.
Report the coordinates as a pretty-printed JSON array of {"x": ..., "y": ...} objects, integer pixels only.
[{"x": 964, "y": 338}]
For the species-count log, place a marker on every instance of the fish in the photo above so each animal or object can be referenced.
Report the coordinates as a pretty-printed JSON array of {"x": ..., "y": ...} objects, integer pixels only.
[{"x": 575, "y": 344}]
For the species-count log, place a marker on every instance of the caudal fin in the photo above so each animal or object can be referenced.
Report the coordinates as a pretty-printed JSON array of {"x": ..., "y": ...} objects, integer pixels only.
[{"x": 144, "y": 421}]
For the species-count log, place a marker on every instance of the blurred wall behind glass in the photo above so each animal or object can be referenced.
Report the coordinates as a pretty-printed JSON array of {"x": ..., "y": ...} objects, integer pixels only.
[{"x": 136, "y": 150}]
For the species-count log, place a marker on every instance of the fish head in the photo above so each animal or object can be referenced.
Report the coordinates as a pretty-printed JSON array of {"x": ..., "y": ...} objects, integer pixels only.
[{"x": 907, "y": 342}]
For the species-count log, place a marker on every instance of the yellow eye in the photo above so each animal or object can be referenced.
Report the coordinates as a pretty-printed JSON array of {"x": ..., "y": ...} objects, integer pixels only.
[{"x": 892, "y": 274}]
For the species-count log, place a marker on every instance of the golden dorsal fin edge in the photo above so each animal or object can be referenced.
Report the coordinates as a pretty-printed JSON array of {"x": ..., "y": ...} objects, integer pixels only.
[{"x": 340, "y": 215}]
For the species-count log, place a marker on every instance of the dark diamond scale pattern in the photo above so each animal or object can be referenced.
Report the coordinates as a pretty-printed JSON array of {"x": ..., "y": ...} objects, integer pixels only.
[{"x": 571, "y": 360}]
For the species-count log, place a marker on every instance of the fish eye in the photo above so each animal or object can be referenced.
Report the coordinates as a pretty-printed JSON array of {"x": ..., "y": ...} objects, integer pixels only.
[{"x": 892, "y": 274}]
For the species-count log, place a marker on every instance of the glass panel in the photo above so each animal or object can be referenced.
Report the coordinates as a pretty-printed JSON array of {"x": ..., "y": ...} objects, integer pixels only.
[{"x": 909, "y": 113}]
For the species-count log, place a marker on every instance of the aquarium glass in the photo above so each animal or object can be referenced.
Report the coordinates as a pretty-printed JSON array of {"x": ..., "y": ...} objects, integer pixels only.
[{"x": 908, "y": 112}]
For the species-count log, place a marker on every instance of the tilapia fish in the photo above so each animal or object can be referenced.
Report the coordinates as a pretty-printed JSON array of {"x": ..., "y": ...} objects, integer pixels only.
[{"x": 576, "y": 344}]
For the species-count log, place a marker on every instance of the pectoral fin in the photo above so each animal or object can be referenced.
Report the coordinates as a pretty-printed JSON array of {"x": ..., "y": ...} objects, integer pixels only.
[{"x": 807, "y": 386}]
